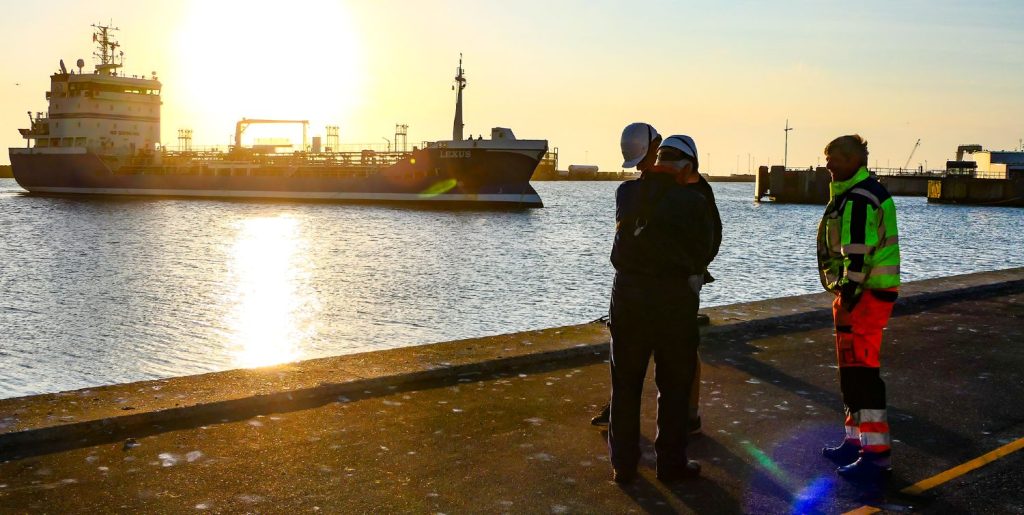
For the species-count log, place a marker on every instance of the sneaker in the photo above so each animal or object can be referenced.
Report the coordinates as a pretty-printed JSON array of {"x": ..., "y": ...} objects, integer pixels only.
[
  {"x": 670, "y": 474},
  {"x": 623, "y": 476},
  {"x": 695, "y": 426},
  {"x": 865, "y": 470},
  {"x": 844, "y": 454},
  {"x": 602, "y": 418}
]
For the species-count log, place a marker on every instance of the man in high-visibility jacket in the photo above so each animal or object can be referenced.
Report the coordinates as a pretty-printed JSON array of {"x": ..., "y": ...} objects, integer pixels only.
[{"x": 859, "y": 261}]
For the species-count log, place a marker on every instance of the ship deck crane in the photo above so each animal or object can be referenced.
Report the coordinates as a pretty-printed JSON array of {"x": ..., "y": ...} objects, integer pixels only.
[
  {"x": 244, "y": 123},
  {"x": 911, "y": 156}
]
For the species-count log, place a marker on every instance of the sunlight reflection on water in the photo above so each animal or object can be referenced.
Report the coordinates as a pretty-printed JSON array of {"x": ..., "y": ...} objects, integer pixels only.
[{"x": 275, "y": 310}]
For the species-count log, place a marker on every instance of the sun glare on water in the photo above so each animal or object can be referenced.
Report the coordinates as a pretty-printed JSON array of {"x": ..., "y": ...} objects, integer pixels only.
[
  {"x": 274, "y": 311},
  {"x": 262, "y": 59}
]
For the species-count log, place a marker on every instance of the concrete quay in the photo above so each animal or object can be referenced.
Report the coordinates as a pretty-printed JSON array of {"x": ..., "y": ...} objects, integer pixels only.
[{"x": 501, "y": 424}]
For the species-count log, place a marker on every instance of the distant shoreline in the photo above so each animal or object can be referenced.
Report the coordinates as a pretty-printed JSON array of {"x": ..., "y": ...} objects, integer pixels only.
[
  {"x": 5, "y": 173},
  {"x": 736, "y": 177},
  {"x": 625, "y": 176}
]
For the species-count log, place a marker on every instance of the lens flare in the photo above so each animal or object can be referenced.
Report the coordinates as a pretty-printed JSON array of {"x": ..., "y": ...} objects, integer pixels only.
[
  {"x": 438, "y": 188},
  {"x": 810, "y": 499},
  {"x": 766, "y": 462}
]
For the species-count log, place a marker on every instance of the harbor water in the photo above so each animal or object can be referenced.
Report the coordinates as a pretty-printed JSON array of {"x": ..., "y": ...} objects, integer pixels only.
[{"x": 97, "y": 291}]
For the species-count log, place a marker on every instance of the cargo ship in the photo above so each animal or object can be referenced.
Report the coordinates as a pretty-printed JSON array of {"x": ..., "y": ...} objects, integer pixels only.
[{"x": 101, "y": 136}]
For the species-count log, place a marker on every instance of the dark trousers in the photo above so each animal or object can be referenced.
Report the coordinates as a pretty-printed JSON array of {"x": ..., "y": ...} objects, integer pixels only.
[{"x": 669, "y": 332}]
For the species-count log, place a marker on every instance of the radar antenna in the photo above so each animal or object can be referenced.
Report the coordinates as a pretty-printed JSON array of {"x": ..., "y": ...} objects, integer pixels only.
[{"x": 106, "y": 45}]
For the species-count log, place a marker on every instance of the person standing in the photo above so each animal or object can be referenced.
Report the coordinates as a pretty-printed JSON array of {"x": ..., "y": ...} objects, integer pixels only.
[
  {"x": 639, "y": 144},
  {"x": 699, "y": 280},
  {"x": 859, "y": 261},
  {"x": 663, "y": 237}
]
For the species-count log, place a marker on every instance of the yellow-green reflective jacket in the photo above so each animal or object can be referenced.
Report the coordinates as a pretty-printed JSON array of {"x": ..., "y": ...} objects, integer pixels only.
[{"x": 857, "y": 238}]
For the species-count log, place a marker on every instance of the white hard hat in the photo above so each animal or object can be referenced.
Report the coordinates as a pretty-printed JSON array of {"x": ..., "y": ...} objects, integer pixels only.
[
  {"x": 636, "y": 141},
  {"x": 683, "y": 143}
]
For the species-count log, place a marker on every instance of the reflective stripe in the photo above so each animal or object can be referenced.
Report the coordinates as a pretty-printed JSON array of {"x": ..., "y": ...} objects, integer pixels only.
[
  {"x": 857, "y": 277},
  {"x": 891, "y": 240},
  {"x": 868, "y": 194},
  {"x": 872, "y": 415},
  {"x": 852, "y": 418},
  {"x": 853, "y": 433},
  {"x": 884, "y": 270},
  {"x": 874, "y": 427},
  {"x": 857, "y": 248},
  {"x": 872, "y": 439}
]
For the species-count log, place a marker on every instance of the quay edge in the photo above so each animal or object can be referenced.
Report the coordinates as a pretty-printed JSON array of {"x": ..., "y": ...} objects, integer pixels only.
[{"x": 51, "y": 422}]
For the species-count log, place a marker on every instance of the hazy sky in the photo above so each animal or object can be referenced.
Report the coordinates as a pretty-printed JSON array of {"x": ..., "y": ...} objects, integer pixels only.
[{"x": 571, "y": 72}]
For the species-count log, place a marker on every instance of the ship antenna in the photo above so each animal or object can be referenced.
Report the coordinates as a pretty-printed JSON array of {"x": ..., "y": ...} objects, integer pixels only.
[
  {"x": 106, "y": 45},
  {"x": 460, "y": 84}
]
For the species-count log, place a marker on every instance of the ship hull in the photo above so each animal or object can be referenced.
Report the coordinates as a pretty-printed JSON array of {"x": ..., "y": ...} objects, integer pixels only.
[{"x": 436, "y": 176}]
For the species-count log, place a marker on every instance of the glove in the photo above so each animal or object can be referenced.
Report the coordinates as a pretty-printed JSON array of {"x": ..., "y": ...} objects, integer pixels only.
[
  {"x": 848, "y": 296},
  {"x": 708, "y": 278}
]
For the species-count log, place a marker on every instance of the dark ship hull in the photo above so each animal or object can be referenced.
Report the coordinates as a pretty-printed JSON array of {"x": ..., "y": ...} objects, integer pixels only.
[{"x": 460, "y": 173}]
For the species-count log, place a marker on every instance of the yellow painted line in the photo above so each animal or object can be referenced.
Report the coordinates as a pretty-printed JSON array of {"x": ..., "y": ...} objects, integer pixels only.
[
  {"x": 953, "y": 473},
  {"x": 863, "y": 510}
]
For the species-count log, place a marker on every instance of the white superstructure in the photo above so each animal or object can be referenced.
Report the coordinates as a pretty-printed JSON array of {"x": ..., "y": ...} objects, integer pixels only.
[{"x": 104, "y": 112}]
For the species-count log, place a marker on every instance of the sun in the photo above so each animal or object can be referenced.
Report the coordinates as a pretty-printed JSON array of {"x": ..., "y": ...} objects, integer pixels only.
[{"x": 261, "y": 59}]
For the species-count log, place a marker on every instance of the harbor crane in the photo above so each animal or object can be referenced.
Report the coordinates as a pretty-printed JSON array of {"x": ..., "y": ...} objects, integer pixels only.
[{"x": 911, "y": 156}]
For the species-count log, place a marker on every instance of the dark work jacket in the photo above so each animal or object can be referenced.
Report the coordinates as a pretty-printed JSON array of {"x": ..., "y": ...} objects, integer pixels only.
[
  {"x": 675, "y": 241},
  {"x": 704, "y": 187}
]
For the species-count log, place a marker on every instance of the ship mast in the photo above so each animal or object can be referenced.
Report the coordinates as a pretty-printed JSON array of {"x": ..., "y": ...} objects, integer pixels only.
[
  {"x": 105, "y": 51},
  {"x": 460, "y": 84}
]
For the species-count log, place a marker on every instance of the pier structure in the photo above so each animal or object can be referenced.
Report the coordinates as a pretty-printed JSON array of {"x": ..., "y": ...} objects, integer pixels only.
[
  {"x": 501, "y": 423},
  {"x": 810, "y": 185},
  {"x": 994, "y": 178},
  {"x": 792, "y": 185}
]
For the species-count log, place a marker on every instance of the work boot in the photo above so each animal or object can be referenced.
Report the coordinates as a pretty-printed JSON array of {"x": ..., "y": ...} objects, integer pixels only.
[
  {"x": 695, "y": 426},
  {"x": 624, "y": 476},
  {"x": 869, "y": 468},
  {"x": 602, "y": 418},
  {"x": 846, "y": 453},
  {"x": 679, "y": 473}
]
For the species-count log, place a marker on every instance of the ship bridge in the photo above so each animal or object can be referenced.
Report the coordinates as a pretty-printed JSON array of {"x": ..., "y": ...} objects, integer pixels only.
[{"x": 104, "y": 111}]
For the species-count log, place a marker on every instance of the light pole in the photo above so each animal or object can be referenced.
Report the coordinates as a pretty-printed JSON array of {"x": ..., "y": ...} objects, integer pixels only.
[
  {"x": 785, "y": 155},
  {"x": 389, "y": 142}
]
